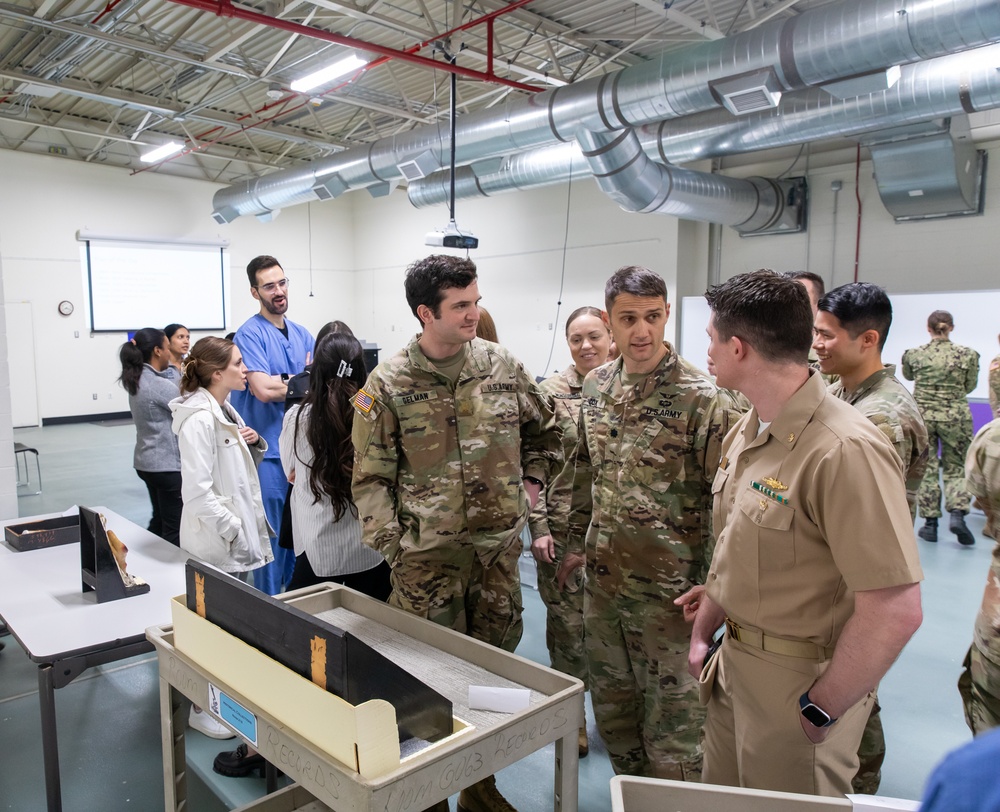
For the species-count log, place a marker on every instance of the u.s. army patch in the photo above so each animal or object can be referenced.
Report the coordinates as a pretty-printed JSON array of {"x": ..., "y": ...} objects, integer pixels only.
[{"x": 363, "y": 401}]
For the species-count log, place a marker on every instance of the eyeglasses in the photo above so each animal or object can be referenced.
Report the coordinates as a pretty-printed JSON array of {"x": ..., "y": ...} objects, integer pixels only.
[{"x": 271, "y": 287}]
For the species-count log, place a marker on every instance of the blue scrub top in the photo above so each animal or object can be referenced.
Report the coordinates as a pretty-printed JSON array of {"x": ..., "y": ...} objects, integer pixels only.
[{"x": 266, "y": 350}]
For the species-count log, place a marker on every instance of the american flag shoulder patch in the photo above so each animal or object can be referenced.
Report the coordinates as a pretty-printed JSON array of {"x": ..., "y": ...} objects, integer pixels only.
[{"x": 363, "y": 402}]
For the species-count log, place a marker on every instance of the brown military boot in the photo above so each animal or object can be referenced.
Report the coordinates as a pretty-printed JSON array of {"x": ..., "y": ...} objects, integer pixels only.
[
  {"x": 583, "y": 744},
  {"x": 483, "y": 796}
]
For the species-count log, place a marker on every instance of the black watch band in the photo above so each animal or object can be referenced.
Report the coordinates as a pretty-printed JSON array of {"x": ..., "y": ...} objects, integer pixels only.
[
  {"x": 813, "y": 713},
  {"x": 534, "y": 479}
]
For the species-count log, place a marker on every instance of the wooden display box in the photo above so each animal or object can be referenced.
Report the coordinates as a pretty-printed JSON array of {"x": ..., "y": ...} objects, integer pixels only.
[
  {"x": 630, "y": 794},
  {"x": 40, "y": 535},
  {"x": 347, "y": 757},
  {"x": 328, "y": 656},
  {"x": 364, "y": 738}
]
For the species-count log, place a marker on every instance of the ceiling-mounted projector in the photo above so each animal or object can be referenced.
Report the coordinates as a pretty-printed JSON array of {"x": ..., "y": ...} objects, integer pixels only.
[{"x": 451, "y": 237}]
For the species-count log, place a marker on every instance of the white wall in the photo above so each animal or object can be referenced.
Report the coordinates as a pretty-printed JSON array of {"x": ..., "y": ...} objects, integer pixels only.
[
  {"x": 957, "y": 253},
  {"x": 520, "y": 261},
  {"x": 359, "y": 248},
  {"x": 47, "y": 200},
  {"x": 8, "y": 478}
]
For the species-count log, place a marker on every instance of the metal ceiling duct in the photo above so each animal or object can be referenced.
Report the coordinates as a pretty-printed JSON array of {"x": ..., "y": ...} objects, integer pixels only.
[
  {"x": 819, "y": 45},
  {"x": 928, "y": 170},
  {"x": 950, "y": 85},
  {"x": 624, "y": 173},
  {"x": 965, "y": 82}
]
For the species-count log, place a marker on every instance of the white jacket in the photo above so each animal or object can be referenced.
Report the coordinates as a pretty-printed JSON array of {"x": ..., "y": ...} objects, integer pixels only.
[{"x": 223, "y": 521}]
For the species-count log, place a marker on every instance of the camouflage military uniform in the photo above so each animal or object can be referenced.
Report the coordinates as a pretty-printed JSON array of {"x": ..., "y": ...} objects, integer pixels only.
[
  {"x": 995, "y": 386},
  {"x": 740, "y": 401},
  {"x": 943, "y": 374},
  {"x": 564, "y": 609},
  {"x": 884, "y": 400},
  {"x": 651, "y": 450},
  {"x": 990, "y": 530},
  {"x": 437, "y": 483},
  {"x": 980, "y": 682}
]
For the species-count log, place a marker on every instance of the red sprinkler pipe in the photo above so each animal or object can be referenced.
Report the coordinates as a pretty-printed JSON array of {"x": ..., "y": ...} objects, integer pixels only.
[
  {"x": 486, "y": 18},
  {"x": 224, "y": 8}
]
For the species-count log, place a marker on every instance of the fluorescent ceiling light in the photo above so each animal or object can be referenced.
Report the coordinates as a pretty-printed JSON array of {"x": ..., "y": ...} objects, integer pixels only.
[
  {"x": 161, "y": 152},
  {"x": 31, "y": 89},
  {"x": 328, "y": 74}
]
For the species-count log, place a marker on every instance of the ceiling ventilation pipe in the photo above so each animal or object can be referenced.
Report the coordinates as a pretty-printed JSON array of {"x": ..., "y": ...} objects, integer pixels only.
[
  {"x": 635, "y": 183},
  {"x": 817, "y": 46},
  {"x": 950, "y": 85},
  {"x": 957, "y": 84}
]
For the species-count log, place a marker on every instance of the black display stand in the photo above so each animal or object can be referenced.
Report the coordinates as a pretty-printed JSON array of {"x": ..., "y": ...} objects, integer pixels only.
[
  {"x": 98, "y": 569},
  {"x": 335, "y": 660}
]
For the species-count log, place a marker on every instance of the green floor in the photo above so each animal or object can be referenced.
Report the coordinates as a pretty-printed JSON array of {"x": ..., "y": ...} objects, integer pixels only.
[{"x": 109, "y": 718}]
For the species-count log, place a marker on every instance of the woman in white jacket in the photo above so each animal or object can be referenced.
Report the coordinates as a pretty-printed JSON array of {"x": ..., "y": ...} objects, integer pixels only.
[{"x": 222, "y": 521}]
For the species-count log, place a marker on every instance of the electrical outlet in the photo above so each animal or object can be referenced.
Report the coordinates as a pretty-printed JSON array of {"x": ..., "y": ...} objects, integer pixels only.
[{"x": 95, "y": 395}]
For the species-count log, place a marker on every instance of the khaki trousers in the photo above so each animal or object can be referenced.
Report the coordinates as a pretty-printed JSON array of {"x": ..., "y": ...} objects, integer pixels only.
[{"x": 753, "y": 737}]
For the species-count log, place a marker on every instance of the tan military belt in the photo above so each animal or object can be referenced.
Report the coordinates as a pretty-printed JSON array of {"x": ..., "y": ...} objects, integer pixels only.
[{"x": 777, "y": 645}]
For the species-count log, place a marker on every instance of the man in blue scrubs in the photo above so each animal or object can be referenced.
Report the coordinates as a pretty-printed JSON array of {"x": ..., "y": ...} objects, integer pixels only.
[{"x": 274, "y": 348}]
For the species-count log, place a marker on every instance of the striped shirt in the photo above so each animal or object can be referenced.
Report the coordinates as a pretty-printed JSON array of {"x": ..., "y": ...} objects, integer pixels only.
[{"x": 332, "y": 548}]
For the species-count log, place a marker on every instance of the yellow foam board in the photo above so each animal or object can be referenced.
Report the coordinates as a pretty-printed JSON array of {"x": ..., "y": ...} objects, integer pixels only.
[{"x": 364, "y": 738}]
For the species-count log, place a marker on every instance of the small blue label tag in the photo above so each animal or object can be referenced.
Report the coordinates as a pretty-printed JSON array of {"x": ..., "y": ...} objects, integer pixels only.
[{"x": 233, "y": 714}]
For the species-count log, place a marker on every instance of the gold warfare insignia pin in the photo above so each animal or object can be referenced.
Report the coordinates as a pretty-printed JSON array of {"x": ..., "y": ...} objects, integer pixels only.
[
  {"x": 791, "y": 438},
  {"x": 774, "y": 484}
]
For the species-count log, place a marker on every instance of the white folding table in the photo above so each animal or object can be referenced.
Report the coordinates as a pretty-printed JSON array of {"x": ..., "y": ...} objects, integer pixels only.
[{"x": 66, "y": 631}]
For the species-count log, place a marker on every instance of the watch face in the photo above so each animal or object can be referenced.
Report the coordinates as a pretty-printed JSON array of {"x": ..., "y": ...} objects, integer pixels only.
[{"x": 816, "y": 716}]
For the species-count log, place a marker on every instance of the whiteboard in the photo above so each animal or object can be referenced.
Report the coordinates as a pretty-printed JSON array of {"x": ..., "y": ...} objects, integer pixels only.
[
  {"x": 136, "y": 285},
  {"x": 976, "y": 314}
]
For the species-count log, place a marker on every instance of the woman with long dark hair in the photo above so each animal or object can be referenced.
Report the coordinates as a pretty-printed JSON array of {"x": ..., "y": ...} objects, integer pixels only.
[
  {"x": 151, "y": 386},
  {"x": 318, "y": 456},
  {"x": 180, "y": 342}
]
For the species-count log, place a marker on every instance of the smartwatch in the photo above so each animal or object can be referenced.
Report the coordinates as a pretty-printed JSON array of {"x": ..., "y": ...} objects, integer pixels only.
[
  {"x": 535, "y": 480},
  {"x": 284, "y": 377},
  {"x": 814, "y": 714}
]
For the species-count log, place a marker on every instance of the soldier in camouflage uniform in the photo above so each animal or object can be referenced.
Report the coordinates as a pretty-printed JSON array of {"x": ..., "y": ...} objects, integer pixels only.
[
  {"x": 560, "y": 572},
  {"x": 990, "y": 530},
  {"x": 943, "y": 374},
  {"x": 651, "y": 430},
  {"x": 980, "y": 681},
  {"x": 452, "y": 441},
  {"x": 852, "y": 324},
  {"x": 995, "y": 386}
]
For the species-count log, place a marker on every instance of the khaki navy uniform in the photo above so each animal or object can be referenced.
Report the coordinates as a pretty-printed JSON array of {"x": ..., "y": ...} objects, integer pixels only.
[
  {"x": 563, "y": 608},
  {"x": 980, "y": 682},
  {"x": 943, "y": 373},
  {"x": 809, "y": 511},
  {"x": 650, "y": 448},
  {"x": 893, "y": 411},
  {"x": 437, "y": 483}
]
